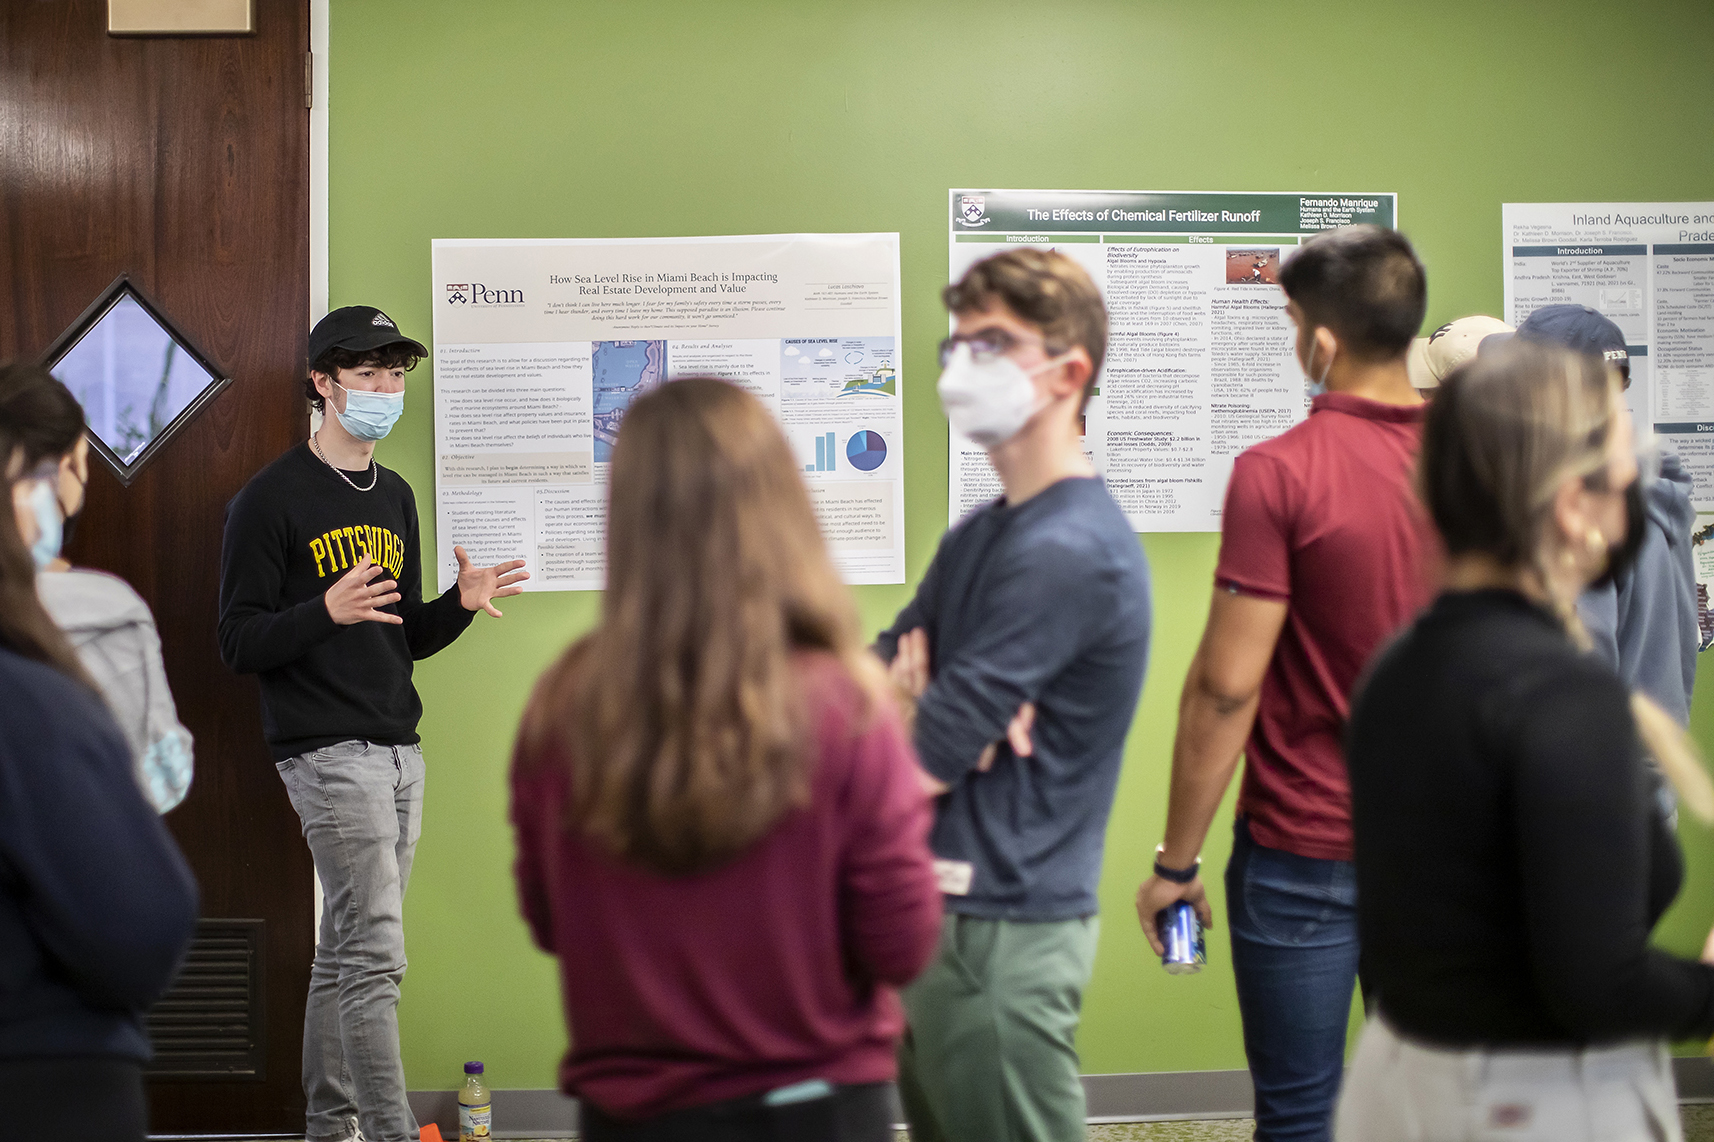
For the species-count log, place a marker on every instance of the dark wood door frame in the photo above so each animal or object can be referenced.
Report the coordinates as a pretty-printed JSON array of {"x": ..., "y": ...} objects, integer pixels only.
[{"x": 185, "y": 163}]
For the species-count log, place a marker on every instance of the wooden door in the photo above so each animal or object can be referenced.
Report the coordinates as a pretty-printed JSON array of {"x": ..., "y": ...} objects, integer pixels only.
[{"x": 185, "y": 163}]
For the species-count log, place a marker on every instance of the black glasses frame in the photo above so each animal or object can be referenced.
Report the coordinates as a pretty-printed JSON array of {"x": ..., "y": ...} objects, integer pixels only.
[{"x": 988, "y": 344}]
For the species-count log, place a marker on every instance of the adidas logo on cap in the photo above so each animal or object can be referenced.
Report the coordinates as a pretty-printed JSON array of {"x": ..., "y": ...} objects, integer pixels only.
[{"x": 382, "y": 319}]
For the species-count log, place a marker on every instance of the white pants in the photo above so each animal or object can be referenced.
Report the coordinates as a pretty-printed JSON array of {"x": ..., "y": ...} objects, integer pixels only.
[{"x": 1400, "y": 1091}]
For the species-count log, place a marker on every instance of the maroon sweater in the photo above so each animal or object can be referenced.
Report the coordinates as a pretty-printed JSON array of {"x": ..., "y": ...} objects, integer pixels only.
[{"x": 774, "y": 968}]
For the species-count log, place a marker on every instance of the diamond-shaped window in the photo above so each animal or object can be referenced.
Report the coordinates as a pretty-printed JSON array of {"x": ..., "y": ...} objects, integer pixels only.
[{"x": 138, "y": 378}]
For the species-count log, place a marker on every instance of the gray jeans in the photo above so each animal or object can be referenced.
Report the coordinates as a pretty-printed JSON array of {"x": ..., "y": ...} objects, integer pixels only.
[{"x": 361, "y": 807}]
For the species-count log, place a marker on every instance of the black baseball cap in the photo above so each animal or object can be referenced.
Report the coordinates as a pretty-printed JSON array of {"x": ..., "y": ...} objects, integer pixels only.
[
  {"x": 1580, "y": 328},
  {"x": 358, "y": 328}
]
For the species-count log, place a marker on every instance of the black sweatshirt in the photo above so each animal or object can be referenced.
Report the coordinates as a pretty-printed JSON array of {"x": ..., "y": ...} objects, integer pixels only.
[
  {"x": 1512, "y": 852},
  {"x": 96, "y": 904},
  {"x": 293, "y": 531}
]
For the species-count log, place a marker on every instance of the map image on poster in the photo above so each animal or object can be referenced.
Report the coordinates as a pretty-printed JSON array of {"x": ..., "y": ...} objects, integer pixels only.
[{"x": 624, "y": 370}]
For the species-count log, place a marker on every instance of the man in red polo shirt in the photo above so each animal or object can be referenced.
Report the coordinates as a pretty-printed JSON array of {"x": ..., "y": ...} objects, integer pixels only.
[{"x": 1324, "y": 553}]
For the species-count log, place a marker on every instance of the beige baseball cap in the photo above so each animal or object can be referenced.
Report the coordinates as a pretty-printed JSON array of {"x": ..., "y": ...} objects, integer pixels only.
[{"x": 1448, "y": 347}]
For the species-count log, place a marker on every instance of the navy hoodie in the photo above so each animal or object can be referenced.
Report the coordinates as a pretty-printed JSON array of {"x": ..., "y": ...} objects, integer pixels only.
[
  {"x": 1644, "y": 623},
  {"x": 1047, "y": 602},
  {"x": 97, "y": 905}
]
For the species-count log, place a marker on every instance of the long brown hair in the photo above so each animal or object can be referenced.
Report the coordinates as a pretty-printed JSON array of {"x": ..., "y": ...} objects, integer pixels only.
[
  {"x": 679, "y": 716},
  {"x": 25, "y": 627},
  {"x": 38, "y": 413},
  {"x": 1502, "y": 434}
]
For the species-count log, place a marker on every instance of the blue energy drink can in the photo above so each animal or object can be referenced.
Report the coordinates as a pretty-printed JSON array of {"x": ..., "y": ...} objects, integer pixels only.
[{"x": 1181, "y": 933}]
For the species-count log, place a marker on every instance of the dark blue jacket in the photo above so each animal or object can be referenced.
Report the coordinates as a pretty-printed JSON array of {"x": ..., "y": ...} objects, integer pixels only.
[
  {"x": 96, "y": 904},
  {"x": 1045, "y": 602}
]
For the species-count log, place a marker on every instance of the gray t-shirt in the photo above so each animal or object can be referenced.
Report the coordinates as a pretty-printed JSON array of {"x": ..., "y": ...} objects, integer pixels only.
[{"x": 113, "y": 632}]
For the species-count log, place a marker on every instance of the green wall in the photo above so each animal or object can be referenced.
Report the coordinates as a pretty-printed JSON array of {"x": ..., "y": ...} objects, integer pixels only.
[{"x": 546, "y": 118}]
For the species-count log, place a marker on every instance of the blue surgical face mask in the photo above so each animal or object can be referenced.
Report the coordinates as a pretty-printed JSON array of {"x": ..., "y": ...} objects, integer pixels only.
[
  {"x": 367, "y": 415},
  {"x": 49, "y": 524}
]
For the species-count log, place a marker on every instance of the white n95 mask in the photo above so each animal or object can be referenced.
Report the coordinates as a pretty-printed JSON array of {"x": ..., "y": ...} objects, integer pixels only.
[{"x": 988, "y": 401}]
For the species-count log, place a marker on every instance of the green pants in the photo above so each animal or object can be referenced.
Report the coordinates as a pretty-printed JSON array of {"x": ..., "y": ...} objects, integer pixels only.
[{"x": 990, "y": 1054}]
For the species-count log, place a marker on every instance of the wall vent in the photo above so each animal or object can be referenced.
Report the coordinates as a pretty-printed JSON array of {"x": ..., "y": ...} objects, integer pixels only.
[{"x": 209, "y": 1024}]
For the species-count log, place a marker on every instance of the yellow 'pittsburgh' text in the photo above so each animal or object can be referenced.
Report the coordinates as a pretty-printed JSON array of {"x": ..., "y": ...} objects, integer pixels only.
[{"x": 338, "y": 549}]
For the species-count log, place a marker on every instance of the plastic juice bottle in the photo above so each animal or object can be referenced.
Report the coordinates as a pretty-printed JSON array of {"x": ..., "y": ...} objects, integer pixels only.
[{"x": 475, "y": 1106}]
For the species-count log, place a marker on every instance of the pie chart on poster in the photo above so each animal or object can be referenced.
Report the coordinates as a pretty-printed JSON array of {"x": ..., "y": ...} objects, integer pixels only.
[{"x": 866, "y": 450}]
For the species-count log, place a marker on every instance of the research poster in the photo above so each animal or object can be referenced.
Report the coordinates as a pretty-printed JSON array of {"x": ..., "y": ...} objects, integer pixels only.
[
  {"x": 1650, "y": 267},
  {"x": 1200, "y": 362},
  {"x": 540, "y": 346}
]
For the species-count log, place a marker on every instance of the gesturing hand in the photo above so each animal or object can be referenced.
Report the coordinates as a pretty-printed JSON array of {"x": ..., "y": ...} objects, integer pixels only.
[
  {"x": 478, "y": 585},
  {"x": 353, "y": 598}
]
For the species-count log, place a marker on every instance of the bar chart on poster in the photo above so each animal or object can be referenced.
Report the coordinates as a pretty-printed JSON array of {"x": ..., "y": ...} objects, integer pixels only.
[
  {"x": 540, "y": 347},
  {"x": 1200, "y": 361}
]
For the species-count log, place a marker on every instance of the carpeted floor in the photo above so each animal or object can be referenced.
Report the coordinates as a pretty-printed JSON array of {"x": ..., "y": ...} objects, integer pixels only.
[{"x": 1698, "y": 1127}]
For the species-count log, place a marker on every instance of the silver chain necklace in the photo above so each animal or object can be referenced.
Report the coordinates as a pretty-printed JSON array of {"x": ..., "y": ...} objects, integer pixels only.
[{"x": 373, "y": 467}]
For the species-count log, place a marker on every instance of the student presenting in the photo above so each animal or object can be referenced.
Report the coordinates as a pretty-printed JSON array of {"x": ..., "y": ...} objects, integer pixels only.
[{"x": 321, "y": 595}]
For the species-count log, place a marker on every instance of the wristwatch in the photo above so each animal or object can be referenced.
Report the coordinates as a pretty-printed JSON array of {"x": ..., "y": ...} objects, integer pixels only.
[{"x": 1176, "y": 875}]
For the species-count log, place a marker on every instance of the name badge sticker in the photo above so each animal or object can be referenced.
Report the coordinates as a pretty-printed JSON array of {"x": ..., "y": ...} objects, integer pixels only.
[{"x": 954, "y": 876}]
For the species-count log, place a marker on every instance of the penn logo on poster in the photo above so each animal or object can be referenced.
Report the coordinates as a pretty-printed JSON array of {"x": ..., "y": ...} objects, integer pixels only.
[{"x": 476, "y": 293}]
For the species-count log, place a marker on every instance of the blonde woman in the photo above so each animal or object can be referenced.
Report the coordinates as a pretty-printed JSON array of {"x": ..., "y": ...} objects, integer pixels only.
[
  {"x": 1514, "y": 845},
  {"x": 721, "y": 831}
]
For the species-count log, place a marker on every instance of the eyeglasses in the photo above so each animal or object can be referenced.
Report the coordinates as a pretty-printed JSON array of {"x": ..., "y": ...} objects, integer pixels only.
[{"x": 987, "y": 345}]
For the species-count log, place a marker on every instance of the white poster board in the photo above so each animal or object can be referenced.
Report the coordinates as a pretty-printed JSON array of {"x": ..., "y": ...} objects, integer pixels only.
[
  {"x": 1200, "y": 361},
  {"x": 540, "y": 346},
  {"x": 1649, "y": 266}
]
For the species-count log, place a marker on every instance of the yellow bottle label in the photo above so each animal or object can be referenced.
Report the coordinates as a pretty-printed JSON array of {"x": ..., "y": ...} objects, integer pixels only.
[{"x": 475, "y": 1122}]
